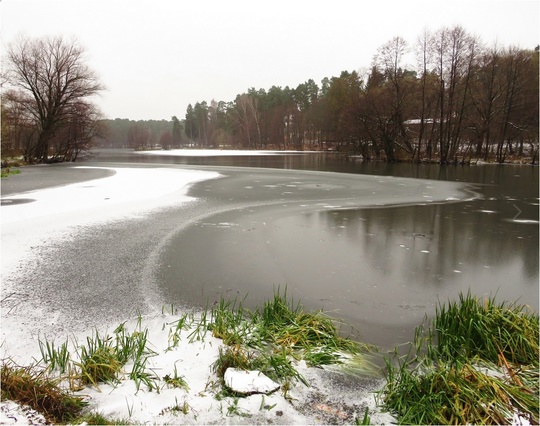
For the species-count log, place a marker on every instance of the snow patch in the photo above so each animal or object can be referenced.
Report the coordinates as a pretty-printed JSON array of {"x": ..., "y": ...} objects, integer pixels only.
[{"x": 249, "y": 382}]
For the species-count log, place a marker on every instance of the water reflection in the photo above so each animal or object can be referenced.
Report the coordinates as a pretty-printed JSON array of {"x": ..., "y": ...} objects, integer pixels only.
[{"x": 443, "y": 246}]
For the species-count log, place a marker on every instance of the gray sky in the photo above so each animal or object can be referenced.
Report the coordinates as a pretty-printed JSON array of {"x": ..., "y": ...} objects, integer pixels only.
[{"x": 155, "y": 57}]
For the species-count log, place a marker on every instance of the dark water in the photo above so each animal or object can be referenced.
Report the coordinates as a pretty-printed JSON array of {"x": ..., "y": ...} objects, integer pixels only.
[{"x": 380, "y": 269}]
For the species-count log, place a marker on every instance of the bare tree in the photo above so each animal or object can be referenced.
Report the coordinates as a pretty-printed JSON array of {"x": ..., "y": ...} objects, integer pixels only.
[
  {"x": 77, "y": 133},
  {"x": 454, "y": 51},
  {"x": 427, "y": 98},
  {"x": 247, "y": 117},
  {"x": 138, "y": 136},
  {"x": 389, "y": 60},
  {"x": 519, "y": 100},
  {"x": 53, "y": 72}
]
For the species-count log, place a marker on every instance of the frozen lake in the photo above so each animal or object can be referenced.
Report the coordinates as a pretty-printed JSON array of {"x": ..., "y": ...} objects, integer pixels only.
[
  {"x": 287, "y": 221},
  {"x": 373, "y": 244},
  {"x": 378, "y": 252}
]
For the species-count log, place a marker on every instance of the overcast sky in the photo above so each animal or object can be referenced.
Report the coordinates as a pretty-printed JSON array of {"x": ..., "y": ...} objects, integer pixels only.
[{"x": 155, "y": 57}]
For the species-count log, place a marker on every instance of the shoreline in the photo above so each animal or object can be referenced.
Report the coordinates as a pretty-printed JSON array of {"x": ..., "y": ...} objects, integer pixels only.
[
  {"x": 53, "y": 201},
  {"x": 331, "y": 396},
  {"x": 196, "y": 359}
]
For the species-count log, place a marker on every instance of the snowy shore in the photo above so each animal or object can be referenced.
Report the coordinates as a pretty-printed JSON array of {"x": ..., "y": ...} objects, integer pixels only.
[{"x": 47, "y": 216}]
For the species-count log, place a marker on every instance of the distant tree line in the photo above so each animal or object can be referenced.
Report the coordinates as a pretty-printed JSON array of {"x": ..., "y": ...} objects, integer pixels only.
[
  {"x": 142, "y": 134},
  {"x": 461, "y": 101}
]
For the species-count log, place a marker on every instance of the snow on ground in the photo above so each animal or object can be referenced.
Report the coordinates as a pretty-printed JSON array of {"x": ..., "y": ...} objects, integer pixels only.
[
  {"x": 48, "y": 217},
  {"x": 125, "y": 190},
  {"x": 198, "y": 405},
  {"x": 12, "y": 413},
  {"x": 129, "y": 193},
  {"x": 328, "y": 399}
]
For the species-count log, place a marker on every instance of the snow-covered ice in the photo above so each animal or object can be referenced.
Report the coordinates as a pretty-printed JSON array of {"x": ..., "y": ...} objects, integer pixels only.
[{"x": 52, "y": 211}]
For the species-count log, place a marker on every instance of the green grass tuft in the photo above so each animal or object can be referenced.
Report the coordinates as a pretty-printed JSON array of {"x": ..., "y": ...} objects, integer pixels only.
[
  {"x": 474, "y": 327},
  {"x": 95, "y": 418},
  {"x": 99, "y": 360},
  {"x": 270, "y": 338},
  {"x": 57, "y": 358},
  {"x": 476, "y": 362}
]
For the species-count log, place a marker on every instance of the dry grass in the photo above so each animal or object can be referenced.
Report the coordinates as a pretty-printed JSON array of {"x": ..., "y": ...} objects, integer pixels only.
[{"x": 32, "y": 386}]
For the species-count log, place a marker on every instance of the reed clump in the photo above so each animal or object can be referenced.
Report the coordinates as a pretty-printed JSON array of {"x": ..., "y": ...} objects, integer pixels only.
[
  {"x": 288, "y": 325},
  {"x": 476, "y": 362},
  {"x": 473, "y": 327},
  {"x": 32, "y": 386}
]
